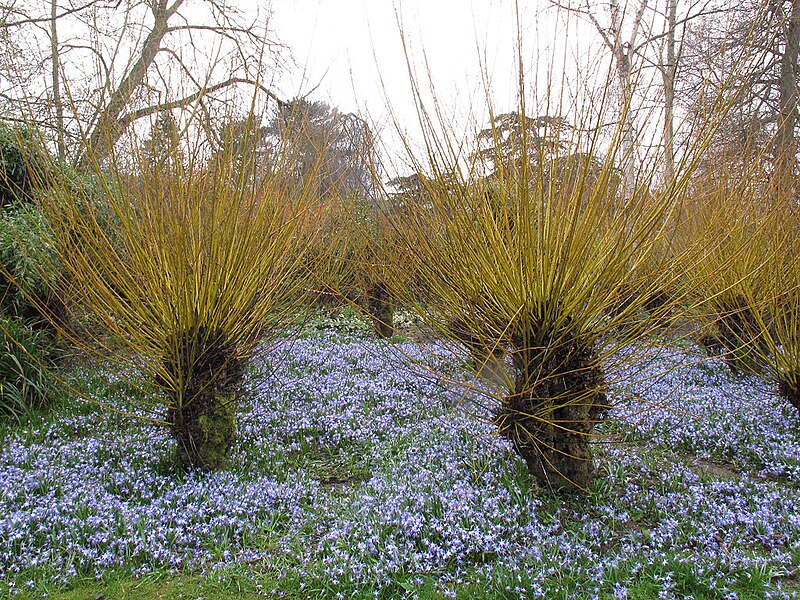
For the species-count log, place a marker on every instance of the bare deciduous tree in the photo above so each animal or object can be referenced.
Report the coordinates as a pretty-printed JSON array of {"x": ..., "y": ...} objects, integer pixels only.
[
  {"x": 645, "y": 34},
  {"x": 767, "y": 34},
  {"x": 113, "y": 62},
  {"x": 621, "y": 30}
]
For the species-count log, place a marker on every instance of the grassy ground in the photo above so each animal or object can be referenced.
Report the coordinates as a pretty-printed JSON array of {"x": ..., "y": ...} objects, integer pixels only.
[{"x": 355, "y": 478}]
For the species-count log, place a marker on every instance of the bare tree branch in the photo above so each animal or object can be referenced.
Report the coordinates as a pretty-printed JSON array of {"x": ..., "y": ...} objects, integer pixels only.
[
  {"x": 52, "y": 17},
  {"x": 112, "y": 62},
  {"x": 129, "y": 118},
  {"x": 107, "y": 131}
]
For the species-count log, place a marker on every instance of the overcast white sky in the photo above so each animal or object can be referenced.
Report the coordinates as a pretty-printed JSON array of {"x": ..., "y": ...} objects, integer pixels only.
[
  {"x": 339, "y": 43},
  {"x": 350, "y": 52}
]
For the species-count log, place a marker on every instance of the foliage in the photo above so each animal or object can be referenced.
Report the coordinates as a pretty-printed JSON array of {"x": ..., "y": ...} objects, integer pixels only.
[
  {"x": 27, "y": 272},
  {"x": 30, "y": 269},
  {"x": 513, "y": 137},
  {"x": 22, "y": 162},
  {"x": 163, "y": 144},
  {"x": 26, "y": 364},
  {"x": 24, "y": 247},
  {"x": 198, "y": 265}
]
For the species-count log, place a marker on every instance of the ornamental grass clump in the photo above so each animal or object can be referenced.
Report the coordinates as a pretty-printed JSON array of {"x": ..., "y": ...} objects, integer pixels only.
[
  {"x": 183, "y": 269},
  {"x": 531, "y": 260},
  {"x": 27, "y": 361}
]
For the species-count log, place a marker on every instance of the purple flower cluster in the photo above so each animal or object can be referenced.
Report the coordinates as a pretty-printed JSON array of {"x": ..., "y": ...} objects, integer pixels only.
[
  {"x": 354, "y": 470},
  {"x": 686, "y": 401},
  {"x": 112, "y": 500}
]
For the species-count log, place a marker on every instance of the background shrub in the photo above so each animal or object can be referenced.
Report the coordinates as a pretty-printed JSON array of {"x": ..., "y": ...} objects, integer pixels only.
[
  {"x": 26, "y": 367},
  {"x": 25, "y": 288},
  {"x": 22, "y": 164}
]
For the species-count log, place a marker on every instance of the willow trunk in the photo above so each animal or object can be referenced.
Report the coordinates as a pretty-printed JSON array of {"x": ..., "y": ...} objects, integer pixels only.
[
  {"x": 202, "y": 414},
  {"x": 551, "y": 415}
]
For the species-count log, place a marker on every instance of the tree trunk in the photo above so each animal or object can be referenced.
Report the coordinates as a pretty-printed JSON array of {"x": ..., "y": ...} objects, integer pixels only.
[
  {"x": 550, "y": 416},
  {"x": 202, "y": 415},
  {"x": 669, "y": 74},
  {"x": 487, "y": 355},
  {"x": 790, "y": 392},
  {"x": 741, "y": 336},
  {"x": 786, "y": 144},
  {"x": 623, "y": 54},
  {"x": 204, "y": 430},
  {"x": 56, "y": 79},
  {"x": 628, "y": 127},
  {"x": 381, "y": 311}
]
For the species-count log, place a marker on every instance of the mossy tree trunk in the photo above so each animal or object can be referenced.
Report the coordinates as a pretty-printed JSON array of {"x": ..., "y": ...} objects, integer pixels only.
[
  {"x": 202, "y": 416},
  {"x": 550, "y": 416},
  {"x": 381, "y": 311}
]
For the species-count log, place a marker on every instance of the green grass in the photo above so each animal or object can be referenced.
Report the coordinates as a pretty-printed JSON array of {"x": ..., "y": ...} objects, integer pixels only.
[
  {"x": 338, "y": 466},
  {"x": 341, "y": 468},
  {"x": 167, "y": 586}
]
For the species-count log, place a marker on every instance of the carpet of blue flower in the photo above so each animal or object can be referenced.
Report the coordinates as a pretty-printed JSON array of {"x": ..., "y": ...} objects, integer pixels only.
[{"x": 352, "y": 472}]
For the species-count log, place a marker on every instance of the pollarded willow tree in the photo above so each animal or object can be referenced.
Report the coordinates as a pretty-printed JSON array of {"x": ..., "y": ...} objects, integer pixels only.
[
  {"x": 336, "y": 152},
  {"x": 749, "y": 275},
  {"x": 183, "y": 267},
  {"x": 734, "y": 221},
  {"x": 533, "y": 260},
  {"x": 779, "y": 316}
]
